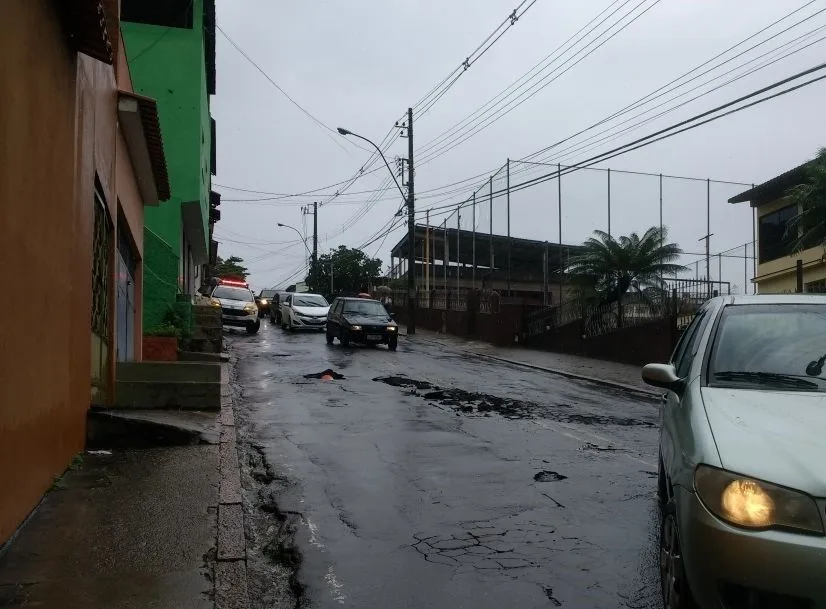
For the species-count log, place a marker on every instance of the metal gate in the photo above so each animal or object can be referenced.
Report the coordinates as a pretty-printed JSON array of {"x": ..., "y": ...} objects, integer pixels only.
[
  {"x": 101, "y": 341},
  {"x": 125, "y": 300}
]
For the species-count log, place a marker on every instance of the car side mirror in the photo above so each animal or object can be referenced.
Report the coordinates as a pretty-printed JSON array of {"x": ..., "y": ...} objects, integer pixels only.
[{"x": 662, "y": 375}]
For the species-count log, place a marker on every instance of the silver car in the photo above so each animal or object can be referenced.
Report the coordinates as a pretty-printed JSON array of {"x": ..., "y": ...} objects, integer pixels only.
[{"x": 743, "y": 456}]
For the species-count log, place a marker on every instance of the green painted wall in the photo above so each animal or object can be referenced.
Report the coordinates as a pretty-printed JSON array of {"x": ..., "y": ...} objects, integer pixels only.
[
  {"x": 168, "y": 64},
  {"x": 160, "y": 279}
]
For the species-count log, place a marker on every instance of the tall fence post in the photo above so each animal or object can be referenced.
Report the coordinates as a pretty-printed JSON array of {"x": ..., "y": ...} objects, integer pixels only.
[
  {"x": 745, "y": 269},
  {"x": 561, "y": 262},
  {"x": 458, "y": 251},
  {"x": 609, "y": 201},
  {"x": 708, "y": 232},
  {"x": 474, "y": 242},
  {"x": 799, "y": 273},
  {"x": 508, "y": 187},
  {"x": 491, "y": 260},
  {"x": 662, "y": 242},
  {"x": 445, "y": 263}
]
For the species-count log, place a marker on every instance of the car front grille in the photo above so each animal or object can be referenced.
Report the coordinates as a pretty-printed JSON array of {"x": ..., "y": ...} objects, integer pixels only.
[{"x": 234, "y": 312}]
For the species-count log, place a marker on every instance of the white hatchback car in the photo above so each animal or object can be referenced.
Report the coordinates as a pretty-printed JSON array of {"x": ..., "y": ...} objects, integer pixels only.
[
  {"x": 742, "y": 478},
  {"x": 300, "y": 311}
]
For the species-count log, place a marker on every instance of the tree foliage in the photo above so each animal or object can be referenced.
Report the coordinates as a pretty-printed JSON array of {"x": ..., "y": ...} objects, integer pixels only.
[
  {"x": 614, "y": 266},
  {"x": 808, "y": 227},
  {"x": 351, "y": 269},
  {"x": 231, "y": 267}
]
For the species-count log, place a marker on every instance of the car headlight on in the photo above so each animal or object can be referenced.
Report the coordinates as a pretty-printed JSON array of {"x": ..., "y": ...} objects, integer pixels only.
[
  {"x": 755, "y": 504},
  {"x": 215, "y": 302},
  {"x": 264, "y": 301},
  {"x": 356, "y": 328},
  {"x": 391, "y": 328},
  {"x": 250, "y": 308}
]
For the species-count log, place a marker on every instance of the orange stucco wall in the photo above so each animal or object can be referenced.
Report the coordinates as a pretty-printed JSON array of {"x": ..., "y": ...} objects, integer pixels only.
[{"x": 58, "y": 125}]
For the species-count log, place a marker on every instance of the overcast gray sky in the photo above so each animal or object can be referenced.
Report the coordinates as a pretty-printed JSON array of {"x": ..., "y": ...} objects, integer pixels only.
[{"x": 361, "y": 63}]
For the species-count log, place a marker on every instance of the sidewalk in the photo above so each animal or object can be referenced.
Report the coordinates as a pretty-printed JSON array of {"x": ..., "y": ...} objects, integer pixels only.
[
  {"x": 138, "y": 528},
  {"x": 622, "y": 376}
]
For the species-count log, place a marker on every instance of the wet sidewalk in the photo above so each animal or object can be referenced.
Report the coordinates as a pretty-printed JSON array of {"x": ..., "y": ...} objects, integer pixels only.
[
  {"x": 623, "y": 376},
  {"x": 138, "y": 527}
]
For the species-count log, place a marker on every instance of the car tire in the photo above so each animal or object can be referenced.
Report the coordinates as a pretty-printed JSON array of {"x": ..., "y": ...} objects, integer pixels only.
[
  {"x": 344, "y": 339},
  {"x": 393, "y": 343},
  {"x": 673, "y": 582},
  {"x": 253, "y": 327}
]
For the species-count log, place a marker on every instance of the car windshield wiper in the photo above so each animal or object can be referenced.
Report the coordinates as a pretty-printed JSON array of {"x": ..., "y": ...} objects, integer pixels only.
[{"x": 766, "y": 378}]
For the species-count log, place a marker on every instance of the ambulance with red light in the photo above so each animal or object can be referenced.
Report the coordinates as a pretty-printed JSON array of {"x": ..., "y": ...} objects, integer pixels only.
[{"x": 237, "y": 303}]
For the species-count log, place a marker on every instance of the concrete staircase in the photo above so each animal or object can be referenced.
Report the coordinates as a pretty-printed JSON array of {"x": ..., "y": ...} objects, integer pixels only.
[{"x": 183, "y": 385}]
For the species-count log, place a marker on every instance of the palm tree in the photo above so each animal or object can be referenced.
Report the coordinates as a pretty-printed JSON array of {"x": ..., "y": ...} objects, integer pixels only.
[
  {"x": 809, "y": 225},
  {"x": 614, "y": 266}
]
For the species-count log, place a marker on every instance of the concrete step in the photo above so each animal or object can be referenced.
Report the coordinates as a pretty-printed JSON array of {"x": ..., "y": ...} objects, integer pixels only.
[
  {"x": 168, "y": 395},
  {"x": 204, "y": 372}
]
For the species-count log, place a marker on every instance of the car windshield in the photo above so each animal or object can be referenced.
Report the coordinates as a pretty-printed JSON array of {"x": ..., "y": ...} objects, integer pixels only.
[
  {"x": 309, "y": 300},
  {"x": 776, "y": 346},
  {"x": 365, "y": 307},
  {"x": 225, "y": 293},
  {"x": 267, "y": 293}
]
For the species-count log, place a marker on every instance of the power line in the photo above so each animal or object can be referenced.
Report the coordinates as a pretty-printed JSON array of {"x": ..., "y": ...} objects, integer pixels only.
[
  {"x": 477, "y": 53},
  {"x": 306, "y": 112},
  {"x": 504, "y": 106}
]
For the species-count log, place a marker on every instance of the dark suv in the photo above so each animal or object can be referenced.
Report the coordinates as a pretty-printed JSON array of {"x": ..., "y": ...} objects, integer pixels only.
[
  {"x": 361, "y": 320},
  {"x": 264, "y": 301}
]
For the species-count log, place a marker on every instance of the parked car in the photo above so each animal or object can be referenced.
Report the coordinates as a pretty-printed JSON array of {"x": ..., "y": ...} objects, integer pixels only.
[
  {"x": 361, "y": 320},
  {"x": 237, "y": 304},
  {"x": 302, "y": 311},
  {"x": 741, "y": 478},
  {"x": 264, "y": 300},
  {"x": 275, "y": 305}
]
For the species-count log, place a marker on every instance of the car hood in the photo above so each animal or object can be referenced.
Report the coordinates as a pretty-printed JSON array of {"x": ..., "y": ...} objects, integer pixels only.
[
  {"x": 368, "y": 320},
  {"x": 312, "y": 311},
  {"x": 776, "y": 436}
]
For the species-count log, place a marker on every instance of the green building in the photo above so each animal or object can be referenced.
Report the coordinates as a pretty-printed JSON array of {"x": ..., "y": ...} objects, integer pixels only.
[{"x": 170, "y": 49}]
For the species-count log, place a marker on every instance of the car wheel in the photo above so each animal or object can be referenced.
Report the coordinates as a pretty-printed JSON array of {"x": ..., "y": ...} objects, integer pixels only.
[
  {"x": 393, "y": 343},
  {"x": 344, "y": 339},
  {"x": 673, "y": 582},
  {"x": 254, "y": 327}
]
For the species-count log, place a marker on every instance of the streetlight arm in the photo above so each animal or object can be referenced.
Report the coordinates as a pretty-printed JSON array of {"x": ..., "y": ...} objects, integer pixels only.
[
  {"x": 343, "y": 131},
  {"x": 297, "y": 232}
]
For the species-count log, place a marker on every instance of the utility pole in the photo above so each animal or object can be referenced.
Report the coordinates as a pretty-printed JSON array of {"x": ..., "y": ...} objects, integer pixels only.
[
  {"x": 427, "y": 259},
  {"x": 707, "y": 239},
  {"x": 314, "y": 274},
  {"x": 411, "y": 228}
]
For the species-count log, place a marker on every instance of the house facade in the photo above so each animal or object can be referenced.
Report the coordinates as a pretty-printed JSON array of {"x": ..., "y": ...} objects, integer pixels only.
[
  {"x": 171, "y": 51},
  {"x": 82, "y": 155},
  {"x": 777, "y": 262}
]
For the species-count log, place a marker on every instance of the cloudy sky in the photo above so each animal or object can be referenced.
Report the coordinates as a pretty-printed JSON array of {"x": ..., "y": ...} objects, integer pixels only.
[{"x": 361, "y": 63}]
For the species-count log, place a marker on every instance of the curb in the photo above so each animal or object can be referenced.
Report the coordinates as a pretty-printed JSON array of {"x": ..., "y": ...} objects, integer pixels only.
[
  {"x": 565, "y": 373},
  {"x": 231, "y": 590},
  {"x": 572, "y": 375}
]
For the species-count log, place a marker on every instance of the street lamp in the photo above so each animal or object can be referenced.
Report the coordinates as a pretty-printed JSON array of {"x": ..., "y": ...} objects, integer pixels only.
[
  {"x": 297, "y": 232},
  {"x": 408, "y": 200}
]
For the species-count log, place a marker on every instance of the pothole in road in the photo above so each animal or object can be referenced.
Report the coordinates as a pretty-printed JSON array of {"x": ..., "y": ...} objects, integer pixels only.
[
  {"x": 325, "y": 375},
  {"x": 546, "y": 476},
  {"x": 474, "y": 404}
]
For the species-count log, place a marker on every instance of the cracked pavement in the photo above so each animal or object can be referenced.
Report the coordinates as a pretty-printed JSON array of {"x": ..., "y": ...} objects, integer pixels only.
[{"x": 429, "y": 478}]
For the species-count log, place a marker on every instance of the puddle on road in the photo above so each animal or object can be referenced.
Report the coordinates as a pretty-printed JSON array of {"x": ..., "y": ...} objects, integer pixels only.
[{"x": 474, "y": 404}]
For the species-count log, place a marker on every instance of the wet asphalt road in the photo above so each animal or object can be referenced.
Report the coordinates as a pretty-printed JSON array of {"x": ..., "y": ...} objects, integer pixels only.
[{"x": 440, "y": 495}]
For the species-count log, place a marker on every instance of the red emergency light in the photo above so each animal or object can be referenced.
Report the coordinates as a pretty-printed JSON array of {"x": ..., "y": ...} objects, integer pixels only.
[{"x": 235, "y": 282}]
